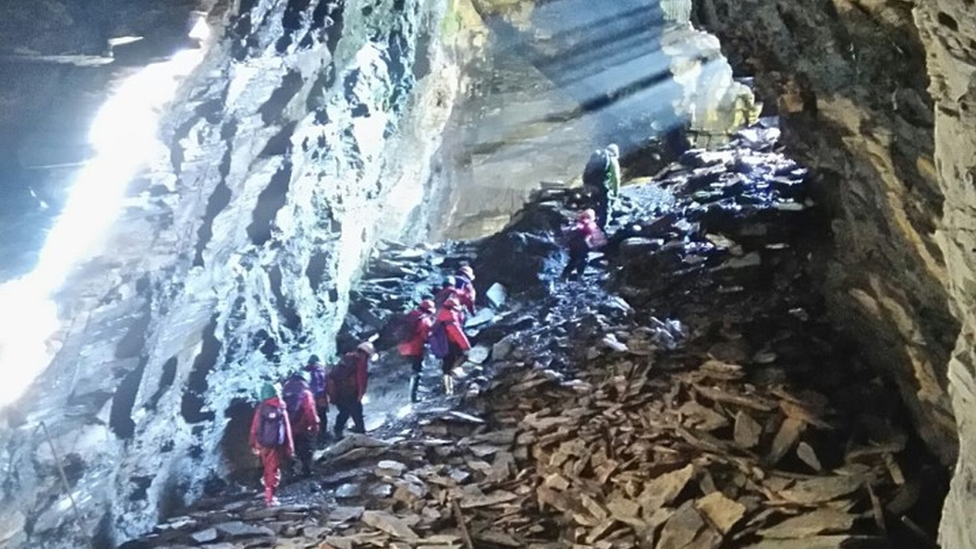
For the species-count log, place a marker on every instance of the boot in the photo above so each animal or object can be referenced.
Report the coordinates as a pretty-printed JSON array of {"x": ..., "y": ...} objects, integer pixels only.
[
  {"x": 414, "y": 388},
  {"x": 448, "y": 384}
]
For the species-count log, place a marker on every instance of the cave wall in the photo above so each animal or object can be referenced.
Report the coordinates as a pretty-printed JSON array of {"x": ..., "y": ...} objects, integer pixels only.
[
  {"x": 308, "y": 132},
  {"x": 849, "y": 80},
  {"x": 879, "y": 95},
  {"x": 948, "y": 29}
]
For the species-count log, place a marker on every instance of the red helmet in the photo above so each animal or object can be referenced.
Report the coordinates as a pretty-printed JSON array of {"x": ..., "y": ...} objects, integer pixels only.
[
  {"x": 452, "y": 303},
  {"x": 466, "y": 271},
  {"x": 587, "y": 215},
  {"x": 427, "y": 305}
]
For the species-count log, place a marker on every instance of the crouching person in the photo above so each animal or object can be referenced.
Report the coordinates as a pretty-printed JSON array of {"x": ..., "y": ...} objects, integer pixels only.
[{"x": 271, "y": 439}]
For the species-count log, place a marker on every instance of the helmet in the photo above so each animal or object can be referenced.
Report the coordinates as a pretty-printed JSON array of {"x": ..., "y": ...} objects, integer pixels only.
[
  {"x": 367, "y": 348},
  {"x": 587, "y": 215},
  {"x": 450, "y": 281},
  {"x": 303, "y": 375},
  {"x": 268, "y": 390},
  {"x": 452, "y": 303},
  {"x": 427, "y": 305},
  {"x": 314, "y": 359},
  {"x": 613, "y": 149},
  {"x": 466, "y": 271}
]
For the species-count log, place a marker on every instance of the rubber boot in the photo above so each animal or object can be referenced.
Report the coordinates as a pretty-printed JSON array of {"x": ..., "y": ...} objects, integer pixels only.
[
  {"x": 448, "y": 386},
  {"x": 414, "y": 388},
  {"x": 269, "y": 498}
]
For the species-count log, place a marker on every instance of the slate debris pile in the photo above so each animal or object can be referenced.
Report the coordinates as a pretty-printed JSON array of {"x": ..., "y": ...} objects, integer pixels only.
[
  {"x": 395, "y": 281},
  {"x": 707, "y": 406}
]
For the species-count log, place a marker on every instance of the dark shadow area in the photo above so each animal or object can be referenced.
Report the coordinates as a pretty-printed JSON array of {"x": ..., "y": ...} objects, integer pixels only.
[
  {"x": 271, "y": 199},
  {"x": 120, "y": 416},
  {"x": 193, "y": 403}
]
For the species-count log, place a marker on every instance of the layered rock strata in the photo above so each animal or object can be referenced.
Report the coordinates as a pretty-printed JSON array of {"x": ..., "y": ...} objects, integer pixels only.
[{"x": 305, "y": 134}]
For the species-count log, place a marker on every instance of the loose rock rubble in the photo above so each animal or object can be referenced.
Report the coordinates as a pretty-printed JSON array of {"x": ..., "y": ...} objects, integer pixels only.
[{"x": 697, "y": 399}]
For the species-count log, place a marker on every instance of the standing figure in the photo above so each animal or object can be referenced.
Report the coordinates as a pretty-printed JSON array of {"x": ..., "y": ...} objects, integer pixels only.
[
  {"x": 304, "y": 419},
  {"x": 464, "y": 284},
  {"x": 271, "y": 439},
  {"x": 448, "y": 341},
  {"x": 448, "y": 290},
  {"x": 601, "y": 178},
  {"x": 580, "y": 239},
  {"x": 346, "y": 384},
  {"x": 316, "y": 381},
  {"x": 416, "y": 331}
]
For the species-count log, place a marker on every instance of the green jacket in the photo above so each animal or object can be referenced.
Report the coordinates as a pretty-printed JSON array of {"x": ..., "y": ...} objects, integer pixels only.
[{"x": 613, "y": 176}]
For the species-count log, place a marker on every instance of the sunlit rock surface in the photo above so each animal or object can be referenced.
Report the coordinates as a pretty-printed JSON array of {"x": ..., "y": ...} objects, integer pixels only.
[
  {"x": 547, "y": 83},
  {"x": 304, "y": 136}
]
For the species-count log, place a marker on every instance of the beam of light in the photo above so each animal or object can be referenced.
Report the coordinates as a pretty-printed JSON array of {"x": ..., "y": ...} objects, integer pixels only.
[{"x": 123, "y": 136}]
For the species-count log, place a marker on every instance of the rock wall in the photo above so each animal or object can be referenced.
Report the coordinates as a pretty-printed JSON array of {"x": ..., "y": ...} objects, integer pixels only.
[
  {"x": 880, "y": 96},
  {"x": 306, "y": 134},
  {"x": 948, "y": 29},
  {"x": 848, "y": 79}
]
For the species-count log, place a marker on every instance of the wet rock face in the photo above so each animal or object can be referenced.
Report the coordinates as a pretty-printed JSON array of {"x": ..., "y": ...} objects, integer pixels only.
[
  {"x": 306, "y": 134},
  {"x": 849, "y": 81}
]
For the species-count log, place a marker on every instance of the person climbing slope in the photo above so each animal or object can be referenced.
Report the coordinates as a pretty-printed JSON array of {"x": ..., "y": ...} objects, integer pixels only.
[
  {"x": 271, "y": 439},
  {"x": 582, "y": 237},
  {"x": 316, "y": 373},
  {"x": 601, "y": 179},
  {"x": 346, "y": 385},
  {"x": 304, "y": 419},
  {"x": 415, "y": 332},
  {"x": 465, "y": 292},
  {"x": 448, "y": 341}
]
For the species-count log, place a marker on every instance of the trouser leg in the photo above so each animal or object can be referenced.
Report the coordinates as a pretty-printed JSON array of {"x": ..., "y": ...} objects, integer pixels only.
[
  {"x": 271, "y": 462},
  {"x": 356, "y": 411},
  {"x": 577, "y": 262},
  {"x": 341, "y": 417},
  {"x": 602, "y": 209},
  {"x": 417, "y": 364},
  {"x": 323, "y": 412},
  {"x": 303, "y": 451}
]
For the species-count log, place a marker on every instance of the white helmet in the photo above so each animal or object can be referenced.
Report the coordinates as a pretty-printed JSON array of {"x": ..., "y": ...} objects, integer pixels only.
[
  {"x": 613, "y": 149},
  {"x": 367, "y": 348}
]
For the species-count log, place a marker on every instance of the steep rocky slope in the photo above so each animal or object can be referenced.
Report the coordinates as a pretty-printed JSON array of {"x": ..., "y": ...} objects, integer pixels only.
[{"x": 895, "y": 152}]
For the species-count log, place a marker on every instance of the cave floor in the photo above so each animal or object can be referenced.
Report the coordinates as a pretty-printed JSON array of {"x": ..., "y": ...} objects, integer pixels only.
[{"x": 688, "y": 391}]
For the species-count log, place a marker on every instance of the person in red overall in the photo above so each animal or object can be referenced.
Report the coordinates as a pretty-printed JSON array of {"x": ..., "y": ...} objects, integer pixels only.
[
  {"x": 449, "y": 289},
  {"x": 580, "y": 239},
  {"x": 304, "y": 418},
  {"x": 465, "y": 292},
  {"x": 448, "y": 340},
  {"x": 347, "y": 386},
  {"x": 271, "y": 439},
  {"x": 417, "y": 325}
]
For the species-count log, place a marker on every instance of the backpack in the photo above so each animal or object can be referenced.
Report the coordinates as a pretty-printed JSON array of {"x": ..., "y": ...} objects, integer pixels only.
[
  {"x": 597, "y": 167},
  {"x": 292, "y": 394},
  {"x": 344, "y": 375},
  {"x": 439, "y": 345},
  {"x": 405, "y": 326},
  {"x": 317, "y": 381},
  {"x": 271, "y": 426}
]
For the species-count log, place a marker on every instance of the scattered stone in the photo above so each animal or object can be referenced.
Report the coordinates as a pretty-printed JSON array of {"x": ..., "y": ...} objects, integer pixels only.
[{"x": 238, "y": 530}]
